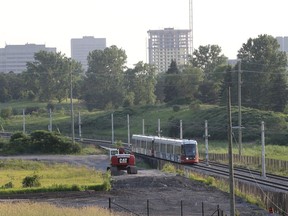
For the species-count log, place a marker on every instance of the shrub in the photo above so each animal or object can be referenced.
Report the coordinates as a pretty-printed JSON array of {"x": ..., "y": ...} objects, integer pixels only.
[
  {"x": 6, "y": 112},
  {"x": 176, "y": 108},
  {"x": 31, "y": 110},
  {"x": 31, "y": 181},
  {"x": 8, "y": 185},
  {"x": 51, "y": 106},
  {"x": 19, "y": 143}
]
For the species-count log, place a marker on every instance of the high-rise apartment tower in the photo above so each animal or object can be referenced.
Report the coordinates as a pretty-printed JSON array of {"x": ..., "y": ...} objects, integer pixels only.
[{"x": 167, "y": 45}]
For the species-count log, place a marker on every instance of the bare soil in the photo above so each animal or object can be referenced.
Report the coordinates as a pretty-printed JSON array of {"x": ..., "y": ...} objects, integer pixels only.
[{"x": 150, "y": 192}]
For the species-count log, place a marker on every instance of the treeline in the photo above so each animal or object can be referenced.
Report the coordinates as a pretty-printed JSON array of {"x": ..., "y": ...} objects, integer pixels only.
[{"x": 109, "y": 84}]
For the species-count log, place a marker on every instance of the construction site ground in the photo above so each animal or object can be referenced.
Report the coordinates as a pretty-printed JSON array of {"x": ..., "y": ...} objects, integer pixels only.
[{"x": 150, "y": 192}]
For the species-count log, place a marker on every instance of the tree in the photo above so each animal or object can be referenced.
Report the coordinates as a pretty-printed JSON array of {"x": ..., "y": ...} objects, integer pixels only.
[
  {"x": 140, "y": 84},
  {"x": 49, "y": 77},
  {"x": 103, "y": 86},
  {"x": 264, "y": 74},
  {"x": 213, "y": 64},
  {"x": 171, "y": 83}
]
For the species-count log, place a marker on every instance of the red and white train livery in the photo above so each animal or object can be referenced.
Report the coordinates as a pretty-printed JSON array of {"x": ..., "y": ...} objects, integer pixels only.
[{"x": 177, "y": 150}]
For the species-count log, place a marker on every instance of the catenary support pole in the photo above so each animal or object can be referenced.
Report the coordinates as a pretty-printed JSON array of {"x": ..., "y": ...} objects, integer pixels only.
[
  {"x": 50, "y": 120},
  {"x": 143, "y": 127},
  {"x": 181, "y": 130},
  {"x": 80, "y": 124},
  {"x": 128, "y": 129},
  {"x": 206, "y": 142},
  {"x": 230, "y": 153},
  {"x": 159, "y": 128},
  {"x": 263, "y": 149},
  {"x": 112, "y": 128},
  {"x": 24, "y": 122},
  {"x": 239, "y": 110},
  {"x": 72, "y": 111}
]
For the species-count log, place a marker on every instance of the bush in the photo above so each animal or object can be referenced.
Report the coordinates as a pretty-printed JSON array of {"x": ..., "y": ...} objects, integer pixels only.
[
  {"x": 8, "y": 185},
  {"x": 6, "y": 113},
  {"x": 176, "y": 108},
  {"x": 31, "y": 181},
  {"x": 31, "y": 110}
]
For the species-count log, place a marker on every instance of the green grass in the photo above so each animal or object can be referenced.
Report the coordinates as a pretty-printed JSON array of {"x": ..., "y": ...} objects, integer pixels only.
[
  {"x": 248, "y": 149},
  {"x": 53, "y": 177}
]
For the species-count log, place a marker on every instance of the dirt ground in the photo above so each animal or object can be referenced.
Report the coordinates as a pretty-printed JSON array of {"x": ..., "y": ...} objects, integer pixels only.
[{"x": 150, "y": 192}]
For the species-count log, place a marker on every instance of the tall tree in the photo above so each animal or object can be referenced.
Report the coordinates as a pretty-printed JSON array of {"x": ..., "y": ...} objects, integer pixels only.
[
  {"x": 49, "y": 77},
  {"x": 103, "y": 85},
  {"x": 140, "y": 82},
  {"x": 172, "y": 78},
  {"x": 213, "y": 64},
  {"x": 264, "y": 74}
]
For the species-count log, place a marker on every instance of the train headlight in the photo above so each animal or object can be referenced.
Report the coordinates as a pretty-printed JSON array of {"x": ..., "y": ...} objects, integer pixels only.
[{"x": 187, "y": 158}]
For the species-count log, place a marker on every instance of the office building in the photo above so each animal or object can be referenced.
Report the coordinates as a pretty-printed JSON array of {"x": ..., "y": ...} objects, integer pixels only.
[
  {"x": 15, "y": 57},
  {"x": 167, "y": 45},
  {"x": 81, "y": 47},
  {"x": 283, "y": 42}
]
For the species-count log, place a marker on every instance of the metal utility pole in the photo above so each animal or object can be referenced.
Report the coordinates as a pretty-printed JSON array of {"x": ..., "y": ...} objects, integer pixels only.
[
  {"x": 181, "y": 130},
  {"x": 230, "y": 153},
  {"x": 206, "y": 142},
  {"x": 128, "y": 126},
  {"x": 263, "y": 150},
  {"x": 80, "y": 123},
  {"x": 143, "y": 127},
  {"x": 239, "y": 110},
  {"x": 159, "y": 132},
  {"x": 24, "y": 122},
  {"x": 50, "y": 120},
  {"x": 112, "y": 126},
  {"x": 72, "y": 111}
]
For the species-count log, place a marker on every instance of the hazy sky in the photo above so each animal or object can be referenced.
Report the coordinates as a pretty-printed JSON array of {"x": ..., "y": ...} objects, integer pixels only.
[{"x": 124, "y": 23}]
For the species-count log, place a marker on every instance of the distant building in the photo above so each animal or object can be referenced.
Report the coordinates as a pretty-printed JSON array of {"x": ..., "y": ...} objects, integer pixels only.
[
  {"x": 15, "y": 57},
  {"x": 81, "y": 47},
  {"x": 283, "y": 42},
  {"x": 167, "y": 45}
]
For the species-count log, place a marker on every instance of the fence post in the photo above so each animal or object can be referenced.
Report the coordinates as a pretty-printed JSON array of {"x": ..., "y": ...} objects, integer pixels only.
[
  {"x": 202, "y": 209},
  {"x": 147, "y": 207},
  {"x": 109, "y": 203},
  {"x": 218, "y": 212},
  {"x": 181, "y": 207}
]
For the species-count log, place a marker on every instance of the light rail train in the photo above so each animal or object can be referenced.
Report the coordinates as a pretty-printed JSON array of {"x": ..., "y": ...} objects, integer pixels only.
[{"x": 177, "y": 150}]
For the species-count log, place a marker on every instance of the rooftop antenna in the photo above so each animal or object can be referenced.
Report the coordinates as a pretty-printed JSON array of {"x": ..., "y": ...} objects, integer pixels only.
[{"x": 191, "y": 25}]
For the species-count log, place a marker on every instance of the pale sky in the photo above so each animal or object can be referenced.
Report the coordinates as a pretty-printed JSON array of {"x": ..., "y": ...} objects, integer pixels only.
[{"x": 124, "y": 23}]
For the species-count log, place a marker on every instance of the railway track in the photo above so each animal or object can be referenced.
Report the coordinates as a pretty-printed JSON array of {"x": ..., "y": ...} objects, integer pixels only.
[{"x": 273, "y": 182}]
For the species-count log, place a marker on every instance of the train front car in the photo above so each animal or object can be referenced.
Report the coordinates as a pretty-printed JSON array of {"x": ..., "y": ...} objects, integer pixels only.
[{"x": 189, "y": 152}]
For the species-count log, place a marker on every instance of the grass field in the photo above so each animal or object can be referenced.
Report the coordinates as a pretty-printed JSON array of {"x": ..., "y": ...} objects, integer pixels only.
[{"x": 52, "y": 177}]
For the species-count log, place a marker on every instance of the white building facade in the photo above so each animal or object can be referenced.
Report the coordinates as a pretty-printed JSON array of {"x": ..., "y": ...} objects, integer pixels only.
[
  {"x": 15, "y": 57},
  {"x": 283, "y": 42},
  {"x": 167, "y": 45},
  {"x": 81, "y": 47}
]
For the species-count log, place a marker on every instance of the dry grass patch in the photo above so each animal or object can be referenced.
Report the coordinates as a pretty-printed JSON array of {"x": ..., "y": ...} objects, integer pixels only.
[{"x": 46, "y": 209}]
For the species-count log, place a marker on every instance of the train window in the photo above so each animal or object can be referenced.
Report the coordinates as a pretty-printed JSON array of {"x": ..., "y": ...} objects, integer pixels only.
[
  {"x": 189, "y": 150},
  {"x": 169, "y": 148},
  {"x": 148, "y": 145},
  {"x": 177, "y": 150},
  {"x": 163, "y": 147}
]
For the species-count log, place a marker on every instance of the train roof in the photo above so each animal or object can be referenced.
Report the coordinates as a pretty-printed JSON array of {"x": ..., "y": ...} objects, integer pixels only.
[{"x": 164, "y": 139}]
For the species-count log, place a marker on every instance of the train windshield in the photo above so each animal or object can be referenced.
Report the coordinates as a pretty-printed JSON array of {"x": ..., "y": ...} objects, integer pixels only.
[{"x": 189, "y": 149}]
